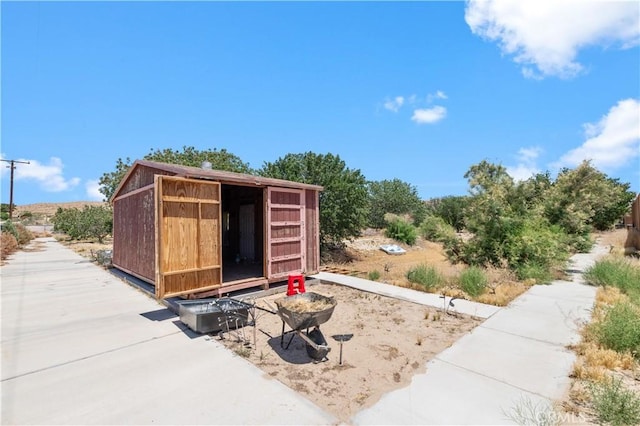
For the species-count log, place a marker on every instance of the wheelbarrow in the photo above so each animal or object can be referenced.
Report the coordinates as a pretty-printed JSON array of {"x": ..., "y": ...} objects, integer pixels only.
[{"x": 305, "y": 316}]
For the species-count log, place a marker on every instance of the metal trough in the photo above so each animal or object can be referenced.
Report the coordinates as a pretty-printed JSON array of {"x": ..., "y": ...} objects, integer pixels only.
[{"x": 213, "y": 315}]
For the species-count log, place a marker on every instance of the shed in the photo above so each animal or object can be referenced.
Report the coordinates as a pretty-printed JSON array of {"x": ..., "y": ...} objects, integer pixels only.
[{"x": 201, "y": 232}]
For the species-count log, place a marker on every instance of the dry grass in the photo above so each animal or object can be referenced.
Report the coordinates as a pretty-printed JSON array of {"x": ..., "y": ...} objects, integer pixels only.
[
  {"x": 363, "y": 256},
  {"x": 596, "y": 364}
]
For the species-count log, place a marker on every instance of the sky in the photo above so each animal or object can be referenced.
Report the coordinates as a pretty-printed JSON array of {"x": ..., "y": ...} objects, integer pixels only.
[{"x": 416, "y": 91}]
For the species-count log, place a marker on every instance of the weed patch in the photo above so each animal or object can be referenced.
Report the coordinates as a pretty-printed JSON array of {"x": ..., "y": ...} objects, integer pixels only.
[
  {"x": 426, "y": 276},
  {"x": 473, "y": 281},
  {"x": 614, "y": 404}
]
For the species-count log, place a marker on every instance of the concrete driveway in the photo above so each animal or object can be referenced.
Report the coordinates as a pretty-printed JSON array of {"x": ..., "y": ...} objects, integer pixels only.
[{"x": 81, "y": 347}]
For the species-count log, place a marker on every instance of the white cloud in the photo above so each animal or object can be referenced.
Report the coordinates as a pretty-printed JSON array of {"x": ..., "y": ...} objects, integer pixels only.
[
  {"x": 526, "y": 167},
  {"x": 429, "y": 115},
  {"x": 545, "y": 36},
  {"x": 93, "y": 190},
  {"x": 612, "y": 142},
  {"x": 438, "y": 95},
  {"x": 49, "y": 176},
  {"x": 394, "y": 104}
]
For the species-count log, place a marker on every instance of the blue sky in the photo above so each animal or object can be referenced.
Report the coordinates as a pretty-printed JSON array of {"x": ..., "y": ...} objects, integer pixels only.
[{"x": 418, "y": 91}]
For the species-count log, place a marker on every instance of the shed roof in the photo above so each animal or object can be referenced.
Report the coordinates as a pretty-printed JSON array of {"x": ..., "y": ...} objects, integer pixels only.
[{"x": 209, "y": 174}]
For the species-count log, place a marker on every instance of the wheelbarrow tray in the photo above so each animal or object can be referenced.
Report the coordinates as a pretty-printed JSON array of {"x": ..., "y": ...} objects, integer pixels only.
[{"x": 301, "y": 320}]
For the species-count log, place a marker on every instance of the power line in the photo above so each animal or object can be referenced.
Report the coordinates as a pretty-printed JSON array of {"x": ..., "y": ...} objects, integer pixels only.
[{"x": 12, "y": 167}]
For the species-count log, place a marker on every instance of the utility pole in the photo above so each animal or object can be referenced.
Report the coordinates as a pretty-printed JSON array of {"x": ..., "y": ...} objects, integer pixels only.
[{"x": 12, "y": 167}]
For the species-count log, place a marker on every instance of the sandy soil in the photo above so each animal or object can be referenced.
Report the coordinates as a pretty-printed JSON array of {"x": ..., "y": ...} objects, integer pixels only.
[
  {"x": 363, "y": 256},
  {"x": 392, "y": 340}
]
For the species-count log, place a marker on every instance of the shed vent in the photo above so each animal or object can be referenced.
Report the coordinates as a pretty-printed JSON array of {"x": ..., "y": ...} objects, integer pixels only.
[{"x": 206, "y": 165}]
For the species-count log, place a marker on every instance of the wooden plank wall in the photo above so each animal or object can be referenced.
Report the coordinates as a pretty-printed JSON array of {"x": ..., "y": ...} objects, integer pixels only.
[
  {"x": 286, "y": 238},
  {"x": 190, "y": 252},
  {"x": 635, "y": 213},
  {"x": 134, "y": 233},
  {"x": 141, "y": 177},
  {"x": 312, "y": 229}
]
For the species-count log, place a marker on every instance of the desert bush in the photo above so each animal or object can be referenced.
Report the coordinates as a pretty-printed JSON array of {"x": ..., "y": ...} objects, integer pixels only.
[
  {"x": 9, "y": 244},
  {"x": 535, "y": 242},
  {"x": 402, "y": 231},
  {"x": 426, "y": 276},
  {"x": 615, "y": 272},
  {"x": 24, "y": 235},
  {"x": 620, "y": 329},
  {"x": 615, "y": 405},
  {"x": 10, "y": 227},
  {"x": 539, "y": 273},
  {"x": 434, "y": 228},
  {"x": 473, "y": 281},
  {"x": 374, "y": 275}
]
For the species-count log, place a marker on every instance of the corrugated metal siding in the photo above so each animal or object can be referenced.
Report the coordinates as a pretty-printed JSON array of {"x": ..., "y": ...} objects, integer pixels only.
[{"x": 134, "y": 233}]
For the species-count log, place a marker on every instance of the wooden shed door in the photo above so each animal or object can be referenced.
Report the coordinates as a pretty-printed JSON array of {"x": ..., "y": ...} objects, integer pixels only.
[
  {"x": 189, "y": 250},
  {"x": 286, "y": 248}
]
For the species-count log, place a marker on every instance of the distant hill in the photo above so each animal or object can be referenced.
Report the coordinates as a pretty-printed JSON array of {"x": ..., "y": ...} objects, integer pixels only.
[{"x": 49, "y": 209}]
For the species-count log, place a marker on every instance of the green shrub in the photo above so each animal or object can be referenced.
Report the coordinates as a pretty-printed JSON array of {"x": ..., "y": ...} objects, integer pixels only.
[
  {"x": 614, "y": 404},
  {"x": 402, "y": 231},
  {"x": 453, "y": 247},
  {"x": 615, "y": 272},
  {"x": 473, "y": 281},
  {"x": 434, "y": 228},
  {"x": 620, "y": 329},
  {"x": 374, "y": 275},
  {"x": 535, "y": 242},
  {"x": 10, "y": 227},
  {"x": 581, "y": 243},
  {"x": 426, "y": 276},
  {"x": 539, "y": 273}
]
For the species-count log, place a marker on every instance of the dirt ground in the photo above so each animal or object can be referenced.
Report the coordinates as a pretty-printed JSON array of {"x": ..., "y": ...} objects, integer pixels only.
[
  {"x": 392, "y": 340},
  {"x": 363, "y": 256}
]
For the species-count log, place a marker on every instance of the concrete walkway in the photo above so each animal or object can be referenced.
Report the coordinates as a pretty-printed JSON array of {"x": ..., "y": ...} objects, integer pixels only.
[
  {"x": 519, "y": 354},
  {"x": 479, "y": 310},
  {"x": 81, "y": 347}
]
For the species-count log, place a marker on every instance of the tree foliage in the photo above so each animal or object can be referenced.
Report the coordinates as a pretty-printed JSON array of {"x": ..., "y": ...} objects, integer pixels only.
[
  {"x": 188, "y": 156},
  {"x": 449, "y": 209},
  {"x": 344, "y": 200},
  {"x": 584, "y": 197},
  {"x": 90, "y": 222},
  {"x": 533, "y": 225},
  {"x": 394, "y": 196}
]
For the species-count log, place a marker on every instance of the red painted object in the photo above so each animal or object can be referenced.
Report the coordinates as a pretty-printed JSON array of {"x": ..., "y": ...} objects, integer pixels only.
[{"x": 295, "y": 285}]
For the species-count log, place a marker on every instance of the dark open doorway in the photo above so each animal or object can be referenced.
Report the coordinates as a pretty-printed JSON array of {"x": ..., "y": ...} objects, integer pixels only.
[{"x": 242, "y": 233}]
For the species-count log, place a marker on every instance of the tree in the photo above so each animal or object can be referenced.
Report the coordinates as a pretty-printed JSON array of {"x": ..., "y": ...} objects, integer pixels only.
[
  {"x": 450, "y": 209},
  {"x": 584, "y": 197},
  {"x": 343, "y": 202},
  {"x": 90, "y": 222},
  {"x": 393, "y": 196},
  {"x": 189, "y": 156}
]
